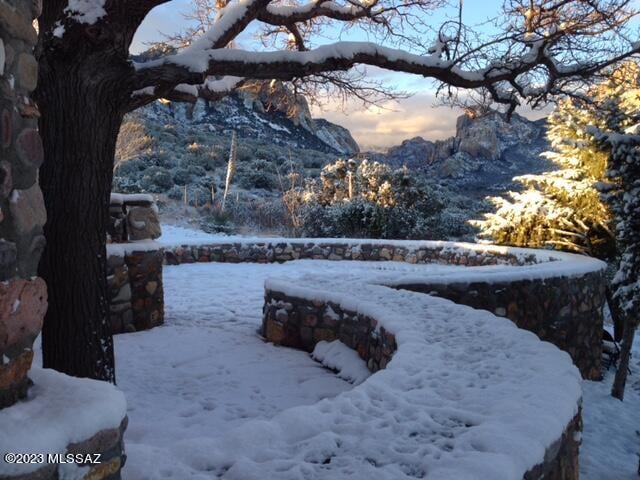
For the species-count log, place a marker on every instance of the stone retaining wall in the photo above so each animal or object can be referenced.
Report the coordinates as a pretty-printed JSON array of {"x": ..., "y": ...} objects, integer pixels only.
[
  {"x": 267, "y": 252},
  {"x": 136, "y": 290},
  {"x": 301, "y": 323},
  {"x": 564, "y": 310},
  {"x": 23, "y": 296}
]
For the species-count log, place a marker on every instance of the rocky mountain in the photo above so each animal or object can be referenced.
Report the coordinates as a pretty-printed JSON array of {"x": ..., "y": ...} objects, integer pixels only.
[
  {"x": 172, "y": 148},
  {"x": 269, "y": 112},
  {"x": 482, "y": 158}
]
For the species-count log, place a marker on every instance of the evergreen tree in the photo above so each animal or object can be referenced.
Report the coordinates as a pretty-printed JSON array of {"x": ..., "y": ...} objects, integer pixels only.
[
  {"x": 596, "y": 142},
  {"x": 562, "y": 208},
  {"x": 617, "y": 104}
]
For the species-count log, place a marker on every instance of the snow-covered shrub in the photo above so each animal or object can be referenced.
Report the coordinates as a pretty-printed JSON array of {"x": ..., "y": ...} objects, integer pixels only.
[
  {"x": 257, "y": 174},
  {"x": 176, "y": 193},
  {"x": 368, "y": 199}
]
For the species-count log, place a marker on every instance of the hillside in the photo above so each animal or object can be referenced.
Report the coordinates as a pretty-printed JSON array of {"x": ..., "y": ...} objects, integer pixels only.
[
  {"x": 186, "y": 151},
  {"x": 483, "y": 156},
  {"x": 188, "y": 145}
]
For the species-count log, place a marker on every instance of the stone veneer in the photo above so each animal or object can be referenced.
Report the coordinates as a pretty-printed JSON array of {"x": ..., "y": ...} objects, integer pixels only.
[
  {"x": 564, "y": 310},
  {"x": 136, "y": 290},
  {"x": 134, "y": 271},
  {"x": 300, "y": 323},
  {"x": 23, "y": 295}
]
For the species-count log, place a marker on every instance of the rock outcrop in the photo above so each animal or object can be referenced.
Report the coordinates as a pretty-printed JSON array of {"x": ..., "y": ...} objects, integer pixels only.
[{"x": 482, "y": 158}]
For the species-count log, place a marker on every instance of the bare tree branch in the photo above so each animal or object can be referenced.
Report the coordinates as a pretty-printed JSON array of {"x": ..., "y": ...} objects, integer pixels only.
[{"x": 544, "y": 47}]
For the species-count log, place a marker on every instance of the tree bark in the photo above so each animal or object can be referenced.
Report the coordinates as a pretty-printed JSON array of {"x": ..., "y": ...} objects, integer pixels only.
[
  {"x": 81, "y": 93},
  {"x": 620, "y": 380},
  {"x": 616, "y": 315}
]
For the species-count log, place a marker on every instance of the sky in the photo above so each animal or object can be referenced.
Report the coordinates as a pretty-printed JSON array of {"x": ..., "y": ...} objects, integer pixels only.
[{"x": 377, "y": 127}]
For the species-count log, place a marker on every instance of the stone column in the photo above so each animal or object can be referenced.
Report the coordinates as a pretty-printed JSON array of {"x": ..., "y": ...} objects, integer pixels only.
[{"x": 23, "y": 296}]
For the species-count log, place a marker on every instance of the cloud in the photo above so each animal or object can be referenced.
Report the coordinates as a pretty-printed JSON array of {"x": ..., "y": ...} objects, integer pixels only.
[
  {"x": 377, "y": 128},
  {"x": 420, "y": 115}
]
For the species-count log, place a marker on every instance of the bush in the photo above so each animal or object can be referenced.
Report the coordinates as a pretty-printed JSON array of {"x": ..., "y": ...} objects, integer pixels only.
[
  {"x": 131, "y": 167},
  {"x": 369, "y": 200},
  {"x": 156, "y": 180}
]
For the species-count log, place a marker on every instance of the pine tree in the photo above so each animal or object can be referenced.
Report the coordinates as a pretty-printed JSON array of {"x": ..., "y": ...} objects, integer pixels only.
[
  {"x": 562, "y": 208},
  {"x": 617, "y": 104},
  {"x": 596, "y": 142}
]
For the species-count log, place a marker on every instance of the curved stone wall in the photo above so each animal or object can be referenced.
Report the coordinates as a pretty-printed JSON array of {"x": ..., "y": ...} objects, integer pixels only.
[
  {"x": 298, "y": 322},
  {"x": 443, "y": 359},
  {"x": 557, "y": 296},
  {"x": 566, "y": 311}
]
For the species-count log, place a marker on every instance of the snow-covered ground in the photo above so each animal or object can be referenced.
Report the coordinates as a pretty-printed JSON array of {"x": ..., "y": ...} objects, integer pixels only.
[
  {"x": 207, "y": 371},
  {"x": 610, "y": 444},
  {"x": 176, "y": 235}
]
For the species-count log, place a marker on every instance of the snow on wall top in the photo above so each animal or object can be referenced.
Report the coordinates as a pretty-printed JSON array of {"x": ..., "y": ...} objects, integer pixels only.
[
  {"x": 60, "y": 410},
  {"x": 537, "y": 264},
  {"x": 119, "y": 198},
  {"x": 122, "y": 249}
]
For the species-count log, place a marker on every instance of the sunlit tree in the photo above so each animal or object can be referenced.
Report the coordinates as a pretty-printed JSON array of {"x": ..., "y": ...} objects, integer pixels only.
[{"x": 561, "y": 208}]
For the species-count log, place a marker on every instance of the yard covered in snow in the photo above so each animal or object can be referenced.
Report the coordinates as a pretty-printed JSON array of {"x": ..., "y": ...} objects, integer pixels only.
[{"x": 194, "y": 382}]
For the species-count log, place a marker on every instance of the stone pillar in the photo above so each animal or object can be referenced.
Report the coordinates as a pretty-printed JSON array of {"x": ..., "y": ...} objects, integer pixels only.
[
  {"x": 23, "y": 296},
  {"x": 116, "y": 230},
  {"x": 147, "y": 293},
  {"x": 120, "y": 312},
  {"x": 136, "y": 294}
]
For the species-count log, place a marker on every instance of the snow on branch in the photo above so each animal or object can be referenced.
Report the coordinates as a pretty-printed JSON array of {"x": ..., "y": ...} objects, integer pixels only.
[
  {"x": 212, "y": 89},
  {"x": 545, "y": 47},
  {"x": 233, "y": 19},
  {"x": 288, "y": 14},
  {"x": 191, "y": 66}
]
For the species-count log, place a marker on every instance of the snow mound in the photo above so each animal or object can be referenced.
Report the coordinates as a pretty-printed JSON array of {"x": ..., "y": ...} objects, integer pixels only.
[
  {"x": 345, "y": 361},
  {"x": 60, "y": 410}
]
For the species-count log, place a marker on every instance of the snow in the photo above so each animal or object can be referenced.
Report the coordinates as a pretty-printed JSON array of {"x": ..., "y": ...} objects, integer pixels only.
[
  {"x": 86, "y": 11},
  {"x": 467, "y": 395},
  {"x": 224, "y": 84},
  {"x": 610, "y": 442},
  {"x": 546, "y": 267},
  {"x": 131, "y": 197},
  {"x": 207, "y": 396},
  {"x": 188, "y": 89},
  {"x": 122, "y": 249},
  {"x": 59, "y": 410},
  {"x": 207, "y": 372},
  {"x": 144, "y": 91},
  {"x": 345, "y": 361}
]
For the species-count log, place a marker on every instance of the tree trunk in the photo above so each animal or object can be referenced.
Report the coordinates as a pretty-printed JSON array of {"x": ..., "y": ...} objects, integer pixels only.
[
  {"x": 620, "y": 379},
  {"x": 616, "y": 315},
  {"x": 81, "y": 94}
]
